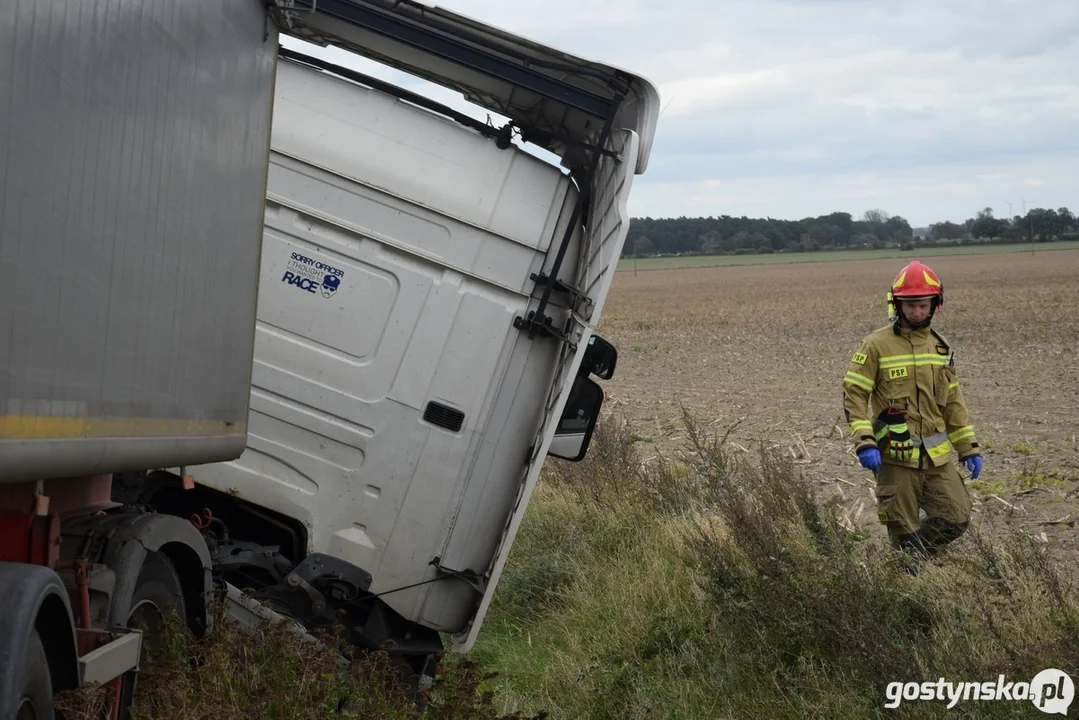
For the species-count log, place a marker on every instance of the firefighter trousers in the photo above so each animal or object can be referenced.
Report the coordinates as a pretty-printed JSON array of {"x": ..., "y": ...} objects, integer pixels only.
[{"x": 903, "y": 491}]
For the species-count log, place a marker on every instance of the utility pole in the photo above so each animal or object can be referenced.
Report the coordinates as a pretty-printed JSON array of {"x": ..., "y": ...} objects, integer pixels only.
[
  {"x": 1031, "y": 225},
  {"x": 635, "y": 240},
  {"x": 1011, "y": 217},
  {"x": 1032, "y": 235}
]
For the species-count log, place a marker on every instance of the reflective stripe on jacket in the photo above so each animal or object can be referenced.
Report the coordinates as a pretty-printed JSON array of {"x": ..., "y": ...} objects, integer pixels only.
[{"x": 914, "y": 370}]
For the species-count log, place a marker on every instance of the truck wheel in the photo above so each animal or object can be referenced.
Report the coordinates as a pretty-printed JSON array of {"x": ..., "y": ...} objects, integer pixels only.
[
  {"x": 157, "y": 592},
  {"x": 35, "y": 697}
]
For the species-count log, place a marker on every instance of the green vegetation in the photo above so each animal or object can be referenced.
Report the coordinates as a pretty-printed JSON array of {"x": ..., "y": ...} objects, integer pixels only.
[
  {"x": 725, "y": 235},
  {"x": 273, "y": 675},
  {"x": 992, "y": 486},
  {"x": 704, "y": 585},
  {"x": 695, "y": 261},
  {"x": 1033, "y": 477},
  {"x": 1039, "y": 479},
  {"x": 707, "y": 586}
]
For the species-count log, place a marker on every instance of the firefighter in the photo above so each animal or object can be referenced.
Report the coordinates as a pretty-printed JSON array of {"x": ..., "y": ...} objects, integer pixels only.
[{"x": 905, "y": 407}]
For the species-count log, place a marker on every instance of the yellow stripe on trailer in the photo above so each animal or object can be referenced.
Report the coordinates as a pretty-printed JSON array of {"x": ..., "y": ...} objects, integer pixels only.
[{"x": 43, "y": 427}]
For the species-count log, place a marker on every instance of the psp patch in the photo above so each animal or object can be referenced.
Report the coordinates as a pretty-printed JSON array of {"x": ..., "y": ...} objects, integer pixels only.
[
  {"x": 859, "y": 358},
  {"x": 897, "y": 373}
]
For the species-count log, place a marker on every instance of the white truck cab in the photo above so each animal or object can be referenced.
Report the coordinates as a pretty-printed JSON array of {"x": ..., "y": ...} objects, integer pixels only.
[
  {"x": 401, "y": 404},
  {"x": 415, "y": 363}
]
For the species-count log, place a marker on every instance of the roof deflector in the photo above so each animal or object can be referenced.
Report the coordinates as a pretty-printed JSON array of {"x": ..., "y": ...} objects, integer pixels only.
[{"x": 557, "y": 101}]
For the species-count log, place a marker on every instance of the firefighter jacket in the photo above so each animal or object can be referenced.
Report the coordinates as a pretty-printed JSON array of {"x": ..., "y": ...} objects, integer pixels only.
[{"x": 913, "y": 370}]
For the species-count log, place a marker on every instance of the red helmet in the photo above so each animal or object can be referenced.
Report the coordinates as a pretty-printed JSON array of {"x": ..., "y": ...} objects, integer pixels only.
[{"x": 917, "y": 281}]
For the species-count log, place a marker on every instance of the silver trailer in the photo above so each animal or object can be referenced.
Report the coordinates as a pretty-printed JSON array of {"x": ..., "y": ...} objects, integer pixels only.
[
  {"x": 133, "y": 157},
  {"x": 134, "y": 141}
]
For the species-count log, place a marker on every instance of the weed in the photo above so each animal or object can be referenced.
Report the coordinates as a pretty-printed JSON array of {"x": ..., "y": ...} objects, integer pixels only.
[
  {"x": 1034, "y": 478},
  {"x": 732, "y": 592},
  {"x": 272, "y": 673},
  {"x": 991, "y": 486}
]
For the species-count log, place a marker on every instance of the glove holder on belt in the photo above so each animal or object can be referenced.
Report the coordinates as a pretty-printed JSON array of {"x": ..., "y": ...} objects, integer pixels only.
[{"x": 893, "y": 434}]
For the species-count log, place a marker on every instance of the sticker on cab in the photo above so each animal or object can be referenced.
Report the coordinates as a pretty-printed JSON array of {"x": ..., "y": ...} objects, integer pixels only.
[{"x": 313, "y": 276}]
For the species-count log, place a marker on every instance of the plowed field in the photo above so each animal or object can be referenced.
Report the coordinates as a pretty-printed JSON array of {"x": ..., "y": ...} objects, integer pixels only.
[{"x": 764, "y": 349}]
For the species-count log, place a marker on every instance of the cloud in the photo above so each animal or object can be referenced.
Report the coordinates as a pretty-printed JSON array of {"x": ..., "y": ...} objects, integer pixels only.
[{"x": 930, "y": 110}]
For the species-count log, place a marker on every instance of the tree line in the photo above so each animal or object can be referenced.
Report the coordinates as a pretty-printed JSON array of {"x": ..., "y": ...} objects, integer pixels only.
[{"x": 876, "y": 229}]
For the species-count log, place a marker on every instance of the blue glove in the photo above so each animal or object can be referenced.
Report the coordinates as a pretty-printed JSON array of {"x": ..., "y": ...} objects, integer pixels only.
[
  {"x": 974, "y": 464},
  {"x": 869, "y": 457}
]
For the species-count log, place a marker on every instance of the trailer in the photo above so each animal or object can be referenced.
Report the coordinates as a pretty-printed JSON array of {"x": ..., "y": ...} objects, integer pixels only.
[
  {"x": 134, "y": 141},
  {"x": 310, "y": 336}
]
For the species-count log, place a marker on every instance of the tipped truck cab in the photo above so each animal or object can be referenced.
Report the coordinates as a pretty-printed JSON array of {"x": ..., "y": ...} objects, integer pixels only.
[{"x": 427, "y": 304}]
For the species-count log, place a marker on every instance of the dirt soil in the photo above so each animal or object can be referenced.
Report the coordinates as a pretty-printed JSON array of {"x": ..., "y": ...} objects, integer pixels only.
[{"x": 764, "y": 349}]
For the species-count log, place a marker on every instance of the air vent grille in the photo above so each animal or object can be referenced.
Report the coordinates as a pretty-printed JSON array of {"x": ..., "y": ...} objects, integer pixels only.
[{"x": 444, "y": 416}]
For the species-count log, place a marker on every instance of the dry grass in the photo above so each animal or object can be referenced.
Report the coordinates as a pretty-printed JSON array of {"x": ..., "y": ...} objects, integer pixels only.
[
  {"x": 712, "y": 583},
  {"x": 271, "y": 674}
]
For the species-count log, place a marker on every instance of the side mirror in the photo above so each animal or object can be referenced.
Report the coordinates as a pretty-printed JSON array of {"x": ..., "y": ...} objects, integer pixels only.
[
  {"x": 599, "y": 358},
  {"x": 574, "y": 431}
]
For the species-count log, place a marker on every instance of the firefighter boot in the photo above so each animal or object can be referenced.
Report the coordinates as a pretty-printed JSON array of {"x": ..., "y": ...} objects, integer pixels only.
[
  {"x": 912, "y": 544},
  {"x": 937, "y": 534}
]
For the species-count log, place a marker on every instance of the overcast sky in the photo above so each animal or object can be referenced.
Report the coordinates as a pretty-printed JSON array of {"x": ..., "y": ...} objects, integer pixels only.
[{"x": 929, "y": 109}]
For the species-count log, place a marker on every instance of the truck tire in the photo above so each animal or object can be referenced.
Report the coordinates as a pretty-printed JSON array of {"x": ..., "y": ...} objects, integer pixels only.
[
  {"x": 158, "y": 592},
  {"x": 37, "y": 641},
  {"x": 35, "y": 696}
]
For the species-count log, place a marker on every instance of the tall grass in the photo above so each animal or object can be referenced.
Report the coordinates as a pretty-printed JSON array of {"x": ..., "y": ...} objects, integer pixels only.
[
  {"x": 713, "y": 586},
  {"x": 271, "y": 674},
  {"x": 705, "y": 585}
]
